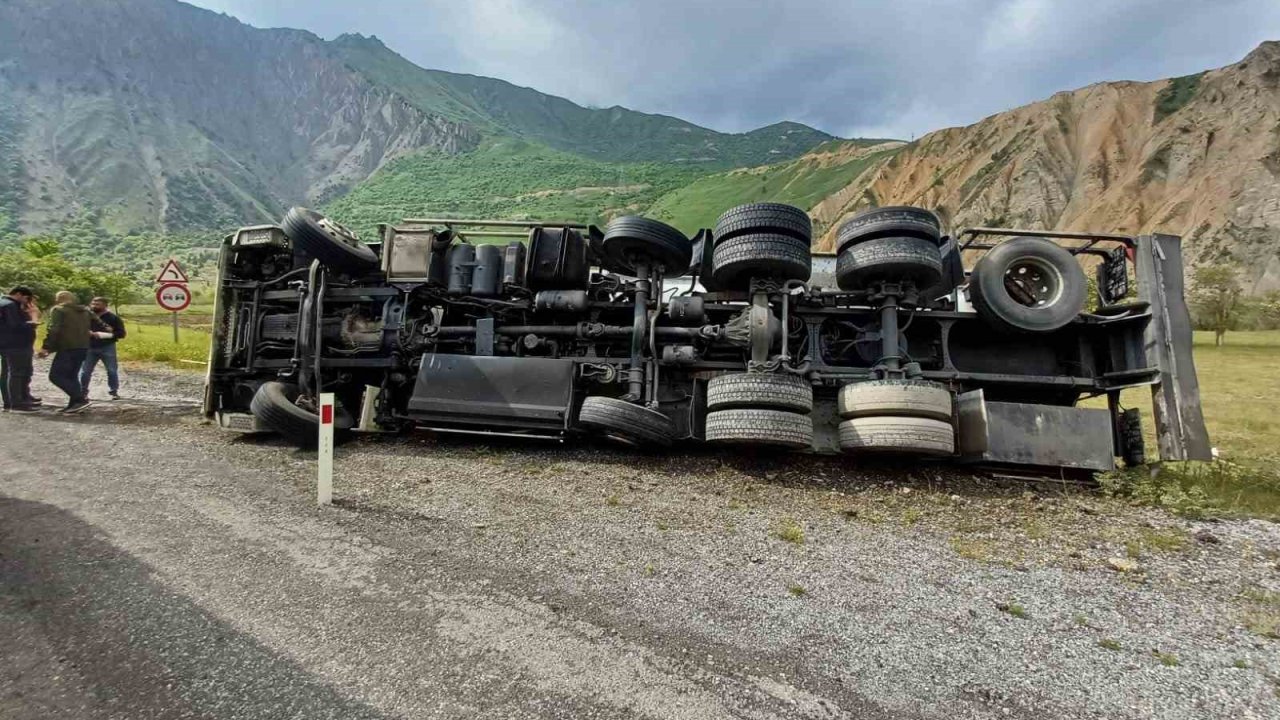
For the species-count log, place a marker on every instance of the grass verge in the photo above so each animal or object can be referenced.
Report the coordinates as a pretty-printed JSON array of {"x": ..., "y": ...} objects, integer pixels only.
[{"x": 1238, "y": 386}]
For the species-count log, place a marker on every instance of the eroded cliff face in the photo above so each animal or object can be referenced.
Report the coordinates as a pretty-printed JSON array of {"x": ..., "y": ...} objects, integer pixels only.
[
  {"x": 164, "y": 115},
  {"x": 1197, "y": 157}
]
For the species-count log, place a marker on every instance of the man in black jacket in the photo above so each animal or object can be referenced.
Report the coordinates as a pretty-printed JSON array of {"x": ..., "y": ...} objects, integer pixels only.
[
  {"x": 17, "y": 342},
  {"x": 106, "y": 328}
]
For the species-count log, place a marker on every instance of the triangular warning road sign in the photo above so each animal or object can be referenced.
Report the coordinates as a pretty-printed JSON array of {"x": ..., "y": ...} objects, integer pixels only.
[{"x": 171, "y": 273}]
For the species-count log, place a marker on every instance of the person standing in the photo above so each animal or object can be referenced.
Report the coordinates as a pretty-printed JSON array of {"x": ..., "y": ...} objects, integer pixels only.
[
  {"x": 68, "y": 340},
  {"x": 17, "y": 344},
  {"x": 105, "y": 329}
]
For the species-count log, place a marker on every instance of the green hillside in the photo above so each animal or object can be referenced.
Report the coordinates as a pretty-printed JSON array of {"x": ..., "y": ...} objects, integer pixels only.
[
  {"x": 804, "y": 183},
  {"x": 615, "y": 134},
  {"x": 509, "y": 179}
]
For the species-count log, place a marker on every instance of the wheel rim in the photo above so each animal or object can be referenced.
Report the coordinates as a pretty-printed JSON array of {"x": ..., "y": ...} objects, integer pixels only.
[
  {"x": 1032, "y": 282},
  {"x": 337, "y": 231}
]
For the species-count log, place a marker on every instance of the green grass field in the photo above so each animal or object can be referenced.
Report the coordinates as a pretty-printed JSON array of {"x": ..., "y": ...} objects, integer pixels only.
[
  {"x": 154, "y": 343},
  {"x": 150, "y": 335},
  {"x": 1239, "y": 385}
]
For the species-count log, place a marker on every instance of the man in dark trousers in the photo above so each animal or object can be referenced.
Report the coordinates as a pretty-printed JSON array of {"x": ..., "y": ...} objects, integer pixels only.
[
  {"x": 105, "y": 329},
  {"x": 17, "y": 344},
  {"x": 68, "y": 340}
]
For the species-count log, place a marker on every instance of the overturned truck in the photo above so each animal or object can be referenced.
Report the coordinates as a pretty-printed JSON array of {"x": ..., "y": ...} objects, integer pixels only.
[{"x": 979, "y": 347}]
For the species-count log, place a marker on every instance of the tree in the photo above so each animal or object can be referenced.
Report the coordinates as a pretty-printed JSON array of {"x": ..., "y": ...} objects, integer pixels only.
[
  {"x": 1269, "y": 311},
  {"x": 1216, "y": 297},
  {"x": 46, "y": 271}
]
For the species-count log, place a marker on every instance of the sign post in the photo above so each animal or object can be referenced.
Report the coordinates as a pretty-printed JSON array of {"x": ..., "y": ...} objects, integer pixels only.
[
  {"x": 324, "y": 483},
  {"x": 173, "y": 295}
]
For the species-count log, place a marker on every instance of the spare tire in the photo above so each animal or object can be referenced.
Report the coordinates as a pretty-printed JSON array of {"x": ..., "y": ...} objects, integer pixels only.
[
  {"x": 1028, "y": 285},
  {"x": 779, "y": 257},
  {"x": 276, "y": 405},
  {"x": 891, "y": 221},
  {"x": 757, "y": 218},
  {"x": 333, "y": 245},
  {"x": 889, "y": 259},
  {"x": 631, "y": 238}
]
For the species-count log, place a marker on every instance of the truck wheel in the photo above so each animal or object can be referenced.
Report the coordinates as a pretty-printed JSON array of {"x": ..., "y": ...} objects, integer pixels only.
[
  {"x": 889, "y": 259},
  {"x": 919, "y": 436},
  {"x": 758, "y": 390},
  {"x": 766, "y": 218},
  {"x": 626, "y": 422},
  {"x": 1028, "y": 285},
  {"x": 332, "y": 244},
  {"x": 905, "y": 398},
  {"x": 774, "y": 428},
  {"x": 892, "y": 221},
  {"x": 276, "y": 405},
  {"x": 779, "y": 257},
  {"x": 630, "y": 238}
]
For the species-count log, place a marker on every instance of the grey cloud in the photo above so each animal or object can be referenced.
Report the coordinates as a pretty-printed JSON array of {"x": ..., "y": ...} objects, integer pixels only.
[{"x": 879, "y": 68}]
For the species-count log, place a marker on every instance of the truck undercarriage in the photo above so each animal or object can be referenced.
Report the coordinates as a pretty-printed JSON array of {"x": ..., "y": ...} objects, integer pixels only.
[{"x": 739, "y": 335}]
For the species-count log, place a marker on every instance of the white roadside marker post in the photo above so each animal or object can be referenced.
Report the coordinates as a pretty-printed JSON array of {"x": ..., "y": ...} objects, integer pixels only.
[{"x": 324, "y": 484}]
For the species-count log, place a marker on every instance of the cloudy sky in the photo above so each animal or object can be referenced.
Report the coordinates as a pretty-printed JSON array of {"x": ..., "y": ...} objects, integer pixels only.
[{"x": 855, "y": 68}]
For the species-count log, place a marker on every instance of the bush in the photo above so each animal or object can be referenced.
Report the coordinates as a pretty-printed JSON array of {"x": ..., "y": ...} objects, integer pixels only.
[
  {"x": 1192, "y": 489},
  {"x": 39, "y": 264}
]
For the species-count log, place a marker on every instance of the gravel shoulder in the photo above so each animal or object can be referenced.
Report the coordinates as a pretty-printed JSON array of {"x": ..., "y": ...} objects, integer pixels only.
[{"x": 471, "y": 578}]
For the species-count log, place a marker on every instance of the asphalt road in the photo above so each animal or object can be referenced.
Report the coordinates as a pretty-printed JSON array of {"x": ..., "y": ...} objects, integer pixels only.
[{"x": 153, "y": 567}]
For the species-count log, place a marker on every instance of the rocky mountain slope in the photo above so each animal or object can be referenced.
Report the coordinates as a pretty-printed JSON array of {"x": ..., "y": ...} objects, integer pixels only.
[
  {"x": 1197, "y": 156},
  {"x": 160, "y": 115}
]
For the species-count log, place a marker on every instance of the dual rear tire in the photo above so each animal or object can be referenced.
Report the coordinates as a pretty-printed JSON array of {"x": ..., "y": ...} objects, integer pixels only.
[
  {"x": 761, "y": 240},
  {"x": 896, "y": 416},
  {"x": 770, "y": 410},
  {"x": 894, "y": 244}
]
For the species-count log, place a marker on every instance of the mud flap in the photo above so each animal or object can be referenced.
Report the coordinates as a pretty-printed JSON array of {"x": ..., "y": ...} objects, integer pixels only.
[{"x": 1180, "y": 429}]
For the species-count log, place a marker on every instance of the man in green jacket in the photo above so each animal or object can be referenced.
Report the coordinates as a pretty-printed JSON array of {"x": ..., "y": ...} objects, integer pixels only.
[{"x": 68, "y": 340}]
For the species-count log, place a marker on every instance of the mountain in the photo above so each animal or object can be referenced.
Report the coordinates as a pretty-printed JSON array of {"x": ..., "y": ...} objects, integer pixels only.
[
  {"x": 508, "y": 178},
  {"x": 162, "y": 115},
  {"x": 1196, "y": 156},
  {"x": 614, "y": 134},
  {"x": 157, "y": 115}
]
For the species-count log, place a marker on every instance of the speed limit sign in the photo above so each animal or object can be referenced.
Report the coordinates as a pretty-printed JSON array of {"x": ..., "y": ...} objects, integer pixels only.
[{"x": 174, "y": 297}]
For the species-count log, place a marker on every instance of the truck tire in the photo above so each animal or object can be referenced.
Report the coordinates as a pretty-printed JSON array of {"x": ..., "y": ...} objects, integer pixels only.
[
  {"x": 333, "y": 245},
  {"x": 626, "y": 422},
  {"x": 891, "y": 221},
  {"x": 889, "y": 259},
  {"x": 775, "y": 428},
  {"x": 758, "y": 390},
  {"x": 766, "y": 218},
  {"x": 630, "y": 238},
  {"x": 907, "y": 435},
  {"x": 275, "y": 404},
  {"x": 779, "y": 257},
  {"x": 1028, "y": 285},
  {"x": 903, "y": 398}
]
